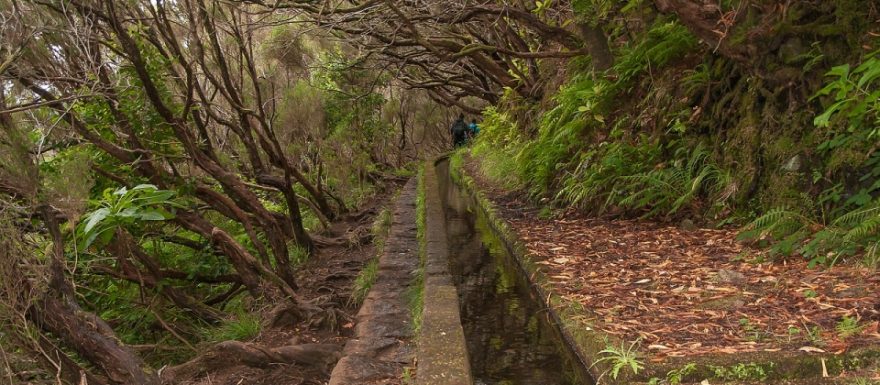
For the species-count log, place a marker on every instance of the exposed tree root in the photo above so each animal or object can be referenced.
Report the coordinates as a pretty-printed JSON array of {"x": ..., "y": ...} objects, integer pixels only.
[
  {"x": 317, "y": 356},
  {"x": 352, "y": 238}
]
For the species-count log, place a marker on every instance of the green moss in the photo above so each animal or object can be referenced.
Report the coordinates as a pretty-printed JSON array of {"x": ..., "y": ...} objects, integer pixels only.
[
  {"x": 743, "y": 372},
  {"x": 364, "y": 282},
  {"x": 416, "y": 293}
]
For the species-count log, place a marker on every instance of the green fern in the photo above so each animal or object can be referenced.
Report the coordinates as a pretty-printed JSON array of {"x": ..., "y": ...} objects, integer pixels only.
[
  {"x": 772, "y": 222},
  {"x": 665, "y": 41},
  {"x": 696, "y": 79},
  {"x": 689, "y": 181},
  {"x": 872, "y": 254},
  {"x": 847, "y": 235},
  {"x": 785, "y": 229},
  {"x": 620, "y": 358},
  {"x": 853, "y": 232},
  {"x": 595, "y": 183},
  {"x": 862, "y": 222},
  {"x": 581, "y": 105}
]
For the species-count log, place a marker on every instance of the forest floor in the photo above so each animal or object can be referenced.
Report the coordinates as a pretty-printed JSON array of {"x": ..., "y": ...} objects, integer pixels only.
[
  {"x": 327, "y": 280},
  {"x": 686, "y": 292}
]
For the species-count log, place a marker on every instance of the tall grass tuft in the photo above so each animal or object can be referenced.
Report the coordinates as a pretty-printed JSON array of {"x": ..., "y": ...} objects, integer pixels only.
[
  {"x": 245, "y": 326},
  {"x": 365, "y": 279}
]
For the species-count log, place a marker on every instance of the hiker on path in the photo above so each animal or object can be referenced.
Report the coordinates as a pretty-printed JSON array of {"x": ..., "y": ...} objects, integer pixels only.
[
  {"x": 459, "y": 131},
  {"x": 473, "y": 129}
]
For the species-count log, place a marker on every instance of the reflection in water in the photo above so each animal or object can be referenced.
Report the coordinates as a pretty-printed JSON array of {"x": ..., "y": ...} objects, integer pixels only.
[{"x": 509, "y": 338}]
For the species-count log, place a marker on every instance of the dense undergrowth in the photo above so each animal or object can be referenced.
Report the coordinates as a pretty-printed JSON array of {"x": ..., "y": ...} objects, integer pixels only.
[
  {"x": 174, "y": 215},
  {"x": 783, "y": 146}
]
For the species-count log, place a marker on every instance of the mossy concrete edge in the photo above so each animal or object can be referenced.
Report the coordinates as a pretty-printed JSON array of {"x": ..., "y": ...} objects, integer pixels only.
[
  {"x": 583, "y": 343},
  {"x": 382, "y": 338},
  {"x": 442, "y": 352}
]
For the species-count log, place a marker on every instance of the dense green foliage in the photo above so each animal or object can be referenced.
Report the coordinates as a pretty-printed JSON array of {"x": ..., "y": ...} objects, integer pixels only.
[
  {"x": 848, "y": 221},
  {"x": 173, "y": 187},
  {"x": 672, "y": 130},
  {"x": 168, "y": 169}
]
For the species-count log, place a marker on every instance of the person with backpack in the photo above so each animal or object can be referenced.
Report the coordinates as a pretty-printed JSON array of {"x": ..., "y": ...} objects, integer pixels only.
[
  {"x": 459, "y": 131},
  {"x": 473, "y": 129}
]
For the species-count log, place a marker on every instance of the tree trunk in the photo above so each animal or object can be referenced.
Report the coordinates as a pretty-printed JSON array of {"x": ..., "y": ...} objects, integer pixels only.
[
  {"x": 705, "y": 21},
  {"x": 597, "y": 44},
  {"x": 253, "y": 274},
  {"x": 125, "y": 249},
  {"x": 86, "y": 333},
  {"x": 92, "y": 339},
  {"x": 314, "y": 192}
]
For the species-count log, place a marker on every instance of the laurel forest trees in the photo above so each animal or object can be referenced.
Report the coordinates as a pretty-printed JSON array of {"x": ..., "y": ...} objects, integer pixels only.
[
  {"x": 721, "y": 111},
  {"x": 164, "y": 168}
]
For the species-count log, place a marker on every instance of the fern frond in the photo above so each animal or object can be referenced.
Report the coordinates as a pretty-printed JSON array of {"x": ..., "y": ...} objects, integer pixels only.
[
  {"x": 777, "y": 223},
  {"x": 856, "y": 217}
]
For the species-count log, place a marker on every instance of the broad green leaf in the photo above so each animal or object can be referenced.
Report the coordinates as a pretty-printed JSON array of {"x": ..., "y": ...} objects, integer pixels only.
[
  {"x": 144, "y": 186},
  {"x": 833, "y": 86},
  {"x": 105, "y": 234},
  {"x": 151, "y": 215},
  {"x": 824, "y": 119},
  {"x": 127, "y": 213},
  {"x": 157, "y": 197},
  {"x": 872, "y": 73},
  {"x": 841, "y": 71},
  {"x": 94, "y": 218},
  {"x": 844, "y": 90}
]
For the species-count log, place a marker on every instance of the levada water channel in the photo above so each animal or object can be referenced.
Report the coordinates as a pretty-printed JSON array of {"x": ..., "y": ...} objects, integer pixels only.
[{"x": 511, "y": 338}]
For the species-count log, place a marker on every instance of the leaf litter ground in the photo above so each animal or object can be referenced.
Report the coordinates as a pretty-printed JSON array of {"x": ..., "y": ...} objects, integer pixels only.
[{"x": 692, "y": 292}]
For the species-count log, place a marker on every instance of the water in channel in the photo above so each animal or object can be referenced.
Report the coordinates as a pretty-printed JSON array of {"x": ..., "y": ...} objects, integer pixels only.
[{"x": 510, "y": 337}]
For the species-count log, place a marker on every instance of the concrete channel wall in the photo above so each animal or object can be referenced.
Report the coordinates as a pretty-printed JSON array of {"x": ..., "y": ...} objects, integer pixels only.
[
  {"x": 382, "y": 346},
  {"x": 442, "y": 352}
]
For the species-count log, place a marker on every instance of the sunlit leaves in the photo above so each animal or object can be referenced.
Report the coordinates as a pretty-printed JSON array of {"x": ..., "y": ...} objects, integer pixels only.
[{"x": 125, "y": 207}]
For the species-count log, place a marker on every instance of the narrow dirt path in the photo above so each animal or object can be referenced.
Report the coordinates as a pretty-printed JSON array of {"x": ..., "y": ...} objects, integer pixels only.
[
  {"x": 382, "y": 345},
  {"x": 327, "y": 281}
]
